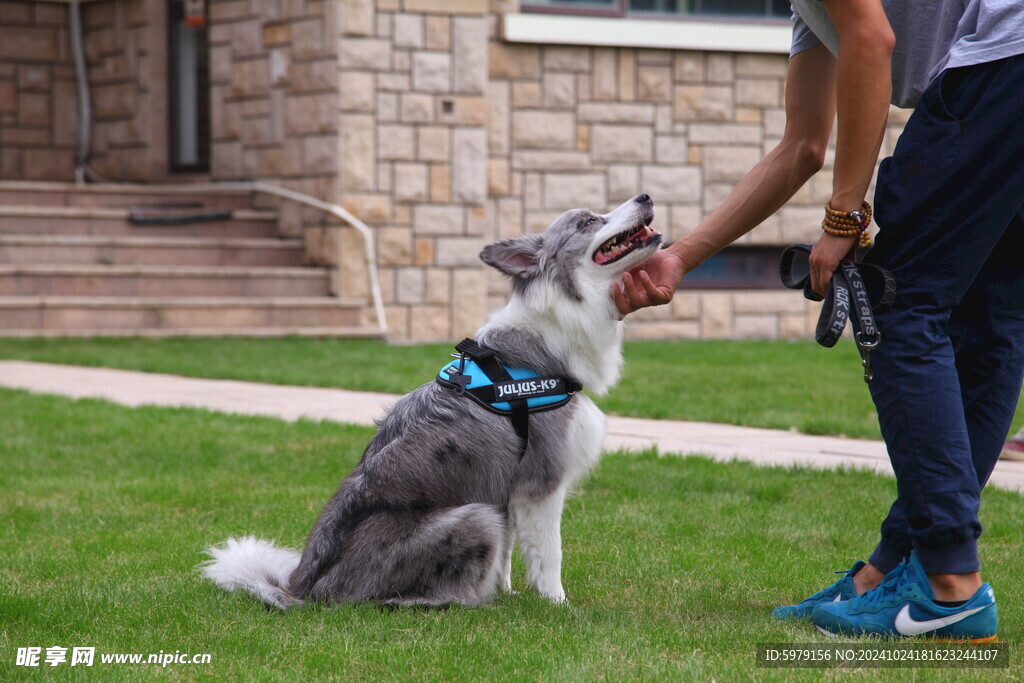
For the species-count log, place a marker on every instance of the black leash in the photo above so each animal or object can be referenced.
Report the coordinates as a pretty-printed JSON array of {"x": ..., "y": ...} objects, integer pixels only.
[{"x": 847, "y": 300}]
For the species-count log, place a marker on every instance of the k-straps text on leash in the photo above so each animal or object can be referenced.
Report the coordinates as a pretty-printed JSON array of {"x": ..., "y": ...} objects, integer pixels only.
[{"x": 847, "y": 299}]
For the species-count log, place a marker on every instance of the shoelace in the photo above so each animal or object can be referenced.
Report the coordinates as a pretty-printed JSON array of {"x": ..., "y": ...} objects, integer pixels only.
[
  {"x": 820, "y": 594},
  {"x": 894, "y": 584}
]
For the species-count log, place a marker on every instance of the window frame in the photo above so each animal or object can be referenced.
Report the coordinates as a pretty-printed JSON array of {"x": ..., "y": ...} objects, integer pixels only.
[
  {"x": 622, "y": 11},
  {"x": 698, "y": 33},
  {"x": 767, "y": 255}
]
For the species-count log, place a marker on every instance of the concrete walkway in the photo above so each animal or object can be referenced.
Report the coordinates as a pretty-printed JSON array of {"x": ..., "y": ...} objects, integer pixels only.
[{"x": 720, "y": 442}]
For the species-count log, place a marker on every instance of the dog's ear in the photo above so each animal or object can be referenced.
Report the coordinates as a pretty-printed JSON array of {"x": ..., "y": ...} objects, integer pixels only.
[{"x": 518, "y": 258}]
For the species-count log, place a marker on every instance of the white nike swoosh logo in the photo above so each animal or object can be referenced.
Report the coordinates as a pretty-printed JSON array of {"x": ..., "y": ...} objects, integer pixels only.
[
  {"x": 908, "y": 626},
  {"x": 839, "y": 597}
]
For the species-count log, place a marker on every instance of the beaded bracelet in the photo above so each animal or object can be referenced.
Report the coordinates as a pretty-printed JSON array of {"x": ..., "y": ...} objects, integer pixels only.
[{"x": 848, "y": 223}]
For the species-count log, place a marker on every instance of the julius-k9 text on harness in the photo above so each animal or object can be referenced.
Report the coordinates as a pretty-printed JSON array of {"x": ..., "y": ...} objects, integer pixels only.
[{"x": 512, "y": 392}]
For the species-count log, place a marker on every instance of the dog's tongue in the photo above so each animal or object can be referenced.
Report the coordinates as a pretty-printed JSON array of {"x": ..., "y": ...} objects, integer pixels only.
[{"x": 612, "y": 252}]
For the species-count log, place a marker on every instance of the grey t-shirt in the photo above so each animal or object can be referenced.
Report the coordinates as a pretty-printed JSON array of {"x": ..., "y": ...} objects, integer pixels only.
[{"x": 931, "y": 35}]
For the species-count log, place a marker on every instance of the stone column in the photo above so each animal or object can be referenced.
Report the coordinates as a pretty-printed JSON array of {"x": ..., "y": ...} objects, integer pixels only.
[{"x": 413, "y": 154}]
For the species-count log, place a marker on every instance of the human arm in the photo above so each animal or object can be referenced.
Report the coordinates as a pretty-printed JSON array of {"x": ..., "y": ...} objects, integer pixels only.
[
  {"x": 810, "y": 111},
  {"x": 863, "y": 91}
]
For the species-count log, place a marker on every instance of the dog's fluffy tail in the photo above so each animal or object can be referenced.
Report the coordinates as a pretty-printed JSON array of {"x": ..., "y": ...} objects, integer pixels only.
[{"x": 256, "y": 566}]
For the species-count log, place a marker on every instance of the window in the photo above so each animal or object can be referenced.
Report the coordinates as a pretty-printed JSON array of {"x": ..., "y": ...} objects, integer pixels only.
[
  {"x": 737, "y": 268},
  {"x": 750, "y": 9}
]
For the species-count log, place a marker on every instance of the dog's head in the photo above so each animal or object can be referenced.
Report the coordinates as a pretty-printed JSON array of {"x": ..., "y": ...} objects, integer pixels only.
[{"x": 581, "y": 251}]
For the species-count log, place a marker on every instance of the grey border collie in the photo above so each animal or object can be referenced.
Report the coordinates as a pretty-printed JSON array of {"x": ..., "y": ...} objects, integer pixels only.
[{"x": 430, "y": 514}]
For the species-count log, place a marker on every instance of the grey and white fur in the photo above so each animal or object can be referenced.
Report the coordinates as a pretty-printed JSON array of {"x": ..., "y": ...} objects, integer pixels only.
[{"x": 430, "y": 514}]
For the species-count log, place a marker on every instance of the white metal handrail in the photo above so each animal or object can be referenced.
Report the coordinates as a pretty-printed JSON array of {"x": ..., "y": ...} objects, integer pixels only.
[{"x": 369, "y": 252}]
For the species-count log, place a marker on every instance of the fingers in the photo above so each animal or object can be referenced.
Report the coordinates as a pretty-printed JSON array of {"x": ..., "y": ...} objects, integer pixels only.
[
  {"x": 821, "y": 273},
  {"x": 621, "y": 300},
  {"x": 626, "y": 296},
  {"x": 655, "y": 294},
  {"x": 630, "y": 296},
  {"x": 820, "y": 280},
  {"x": 825, "y": 258}
]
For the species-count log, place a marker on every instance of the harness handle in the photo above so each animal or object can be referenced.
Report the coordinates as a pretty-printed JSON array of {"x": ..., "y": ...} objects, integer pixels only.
[{"x": 470, "y": 347}]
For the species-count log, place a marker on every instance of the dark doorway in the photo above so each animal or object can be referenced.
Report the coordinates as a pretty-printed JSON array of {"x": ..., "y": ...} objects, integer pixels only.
[{"x": 189, "y": 87}]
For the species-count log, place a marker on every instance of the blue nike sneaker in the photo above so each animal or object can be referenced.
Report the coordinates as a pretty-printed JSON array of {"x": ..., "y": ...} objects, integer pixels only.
[
  {"x": 903, "y": 606},
  {"x": 840, "y": 590}
]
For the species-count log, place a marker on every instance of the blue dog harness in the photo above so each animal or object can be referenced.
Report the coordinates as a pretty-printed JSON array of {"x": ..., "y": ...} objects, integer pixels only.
[{"x": 512, "y": 392}]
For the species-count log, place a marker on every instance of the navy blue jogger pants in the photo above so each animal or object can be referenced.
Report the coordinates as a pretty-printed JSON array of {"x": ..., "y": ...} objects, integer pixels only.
[{"x": 949, "y": 205}]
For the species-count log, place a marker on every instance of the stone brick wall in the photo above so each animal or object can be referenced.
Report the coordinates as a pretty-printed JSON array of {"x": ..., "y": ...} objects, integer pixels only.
[
  {"x": 125, "y": 49},
  {"x": 274, "y": 93},
  {"x": 38, "y": 132},
  {"x": 126, "y": 52},
  {"x": 413, "y": 154}
]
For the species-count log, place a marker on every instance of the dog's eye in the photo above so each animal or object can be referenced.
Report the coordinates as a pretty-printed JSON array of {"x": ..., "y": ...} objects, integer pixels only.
[{"x": 590, "y": 221}]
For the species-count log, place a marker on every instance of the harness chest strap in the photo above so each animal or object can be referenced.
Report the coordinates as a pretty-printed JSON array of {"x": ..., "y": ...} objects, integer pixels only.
[{"x": 511, "y": 392}]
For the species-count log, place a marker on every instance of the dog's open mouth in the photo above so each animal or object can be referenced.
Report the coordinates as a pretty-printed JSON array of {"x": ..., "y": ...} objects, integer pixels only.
[{"x": 626, "y": 242}]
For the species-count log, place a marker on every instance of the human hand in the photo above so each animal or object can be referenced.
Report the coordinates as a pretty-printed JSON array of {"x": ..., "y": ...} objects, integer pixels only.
[
  {"x": 652, "y": 283},
  {"x": 825, "y": 258}
]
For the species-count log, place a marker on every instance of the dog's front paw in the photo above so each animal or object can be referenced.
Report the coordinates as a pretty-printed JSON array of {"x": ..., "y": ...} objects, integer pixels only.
[{"x": 556, "y": 596}]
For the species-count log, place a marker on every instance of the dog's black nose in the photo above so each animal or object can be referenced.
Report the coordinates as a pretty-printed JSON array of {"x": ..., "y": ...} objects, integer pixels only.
[{"x": 643, "y": 198}]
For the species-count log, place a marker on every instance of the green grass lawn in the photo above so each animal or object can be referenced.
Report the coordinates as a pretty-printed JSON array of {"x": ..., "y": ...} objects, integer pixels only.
[
  {"x": 671, "y": 564},
  {"x": 775, "y": 384}
]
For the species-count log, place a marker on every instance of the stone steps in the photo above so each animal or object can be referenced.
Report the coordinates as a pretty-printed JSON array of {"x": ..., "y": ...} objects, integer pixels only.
[
  {"x": 116, "y": 195},
  {"x": 72, "y": 263},
  {"x": 184, "y": 281},
  {"x": 149, "y": 251},
  {"x": 171, "y": 316},
  {"x": 74, "y": 220}
]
